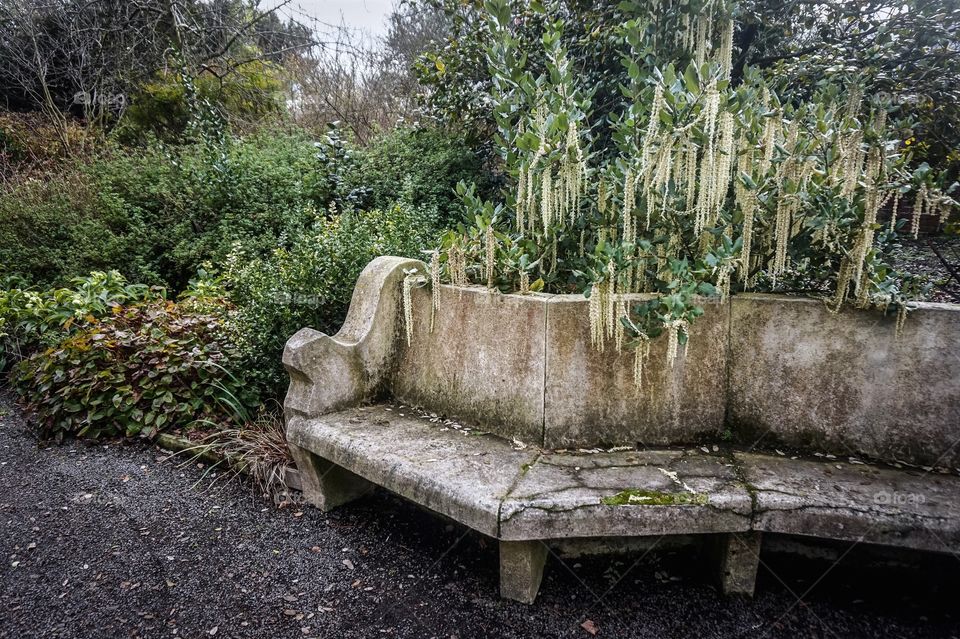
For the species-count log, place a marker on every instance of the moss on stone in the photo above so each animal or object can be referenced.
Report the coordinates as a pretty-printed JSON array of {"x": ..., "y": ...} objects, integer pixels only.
[{"x": 642, "y": 497}]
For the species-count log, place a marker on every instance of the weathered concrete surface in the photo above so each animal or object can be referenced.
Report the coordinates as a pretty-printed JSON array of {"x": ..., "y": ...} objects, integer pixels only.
[
  {"x": 854, "y": 502},
  {"x": 482, "y": 362},
  {"x": 329, "y": 373},
  {"x": 739, "y": 560},
  {"x": 523, "y": 367},
  {"x": 652, "y": 492},
  {"x": 843, "y": 383},
  {"x": 324, "y": 484},
  {"x": 591, "y": 398},
  {"x": 517, "y": 495},
  {"x": 532, "y": 495},
  {"x": 521, "y": 569},
  {"x": 463, "y": 476}
]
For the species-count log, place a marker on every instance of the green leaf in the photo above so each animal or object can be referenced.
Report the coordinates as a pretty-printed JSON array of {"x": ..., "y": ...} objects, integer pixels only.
[{"x": 691, "y": 80}]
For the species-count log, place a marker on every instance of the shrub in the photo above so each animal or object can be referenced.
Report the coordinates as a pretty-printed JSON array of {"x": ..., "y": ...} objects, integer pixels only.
[
  {"x": 162, "y": 107},
  {"x": 195, "y": 201},
  {"x": 136, "y": 371},
  {"x": 30, "y": 319},
  {"x": 157, "y": 213},
  {"x": 694, "y": 187},
  {"x": 419, "y": 165},
  {"x": 59, "y": 226},
  {"x": 310, "y": 283}
]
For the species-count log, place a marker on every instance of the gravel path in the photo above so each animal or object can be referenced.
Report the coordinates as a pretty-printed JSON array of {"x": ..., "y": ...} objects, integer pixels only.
[{"x": 116, "y": 540}]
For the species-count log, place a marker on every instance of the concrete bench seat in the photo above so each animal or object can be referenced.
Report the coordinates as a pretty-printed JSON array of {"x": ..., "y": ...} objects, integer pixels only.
[
  {"x": 478, "y": 418},
  {"x": 834, "y": 499},
  {"x": 484, "y": 482}
]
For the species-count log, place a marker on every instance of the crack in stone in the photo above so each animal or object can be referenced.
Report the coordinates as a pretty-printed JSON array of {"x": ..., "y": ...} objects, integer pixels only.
[{"x": 852, "y": 511}]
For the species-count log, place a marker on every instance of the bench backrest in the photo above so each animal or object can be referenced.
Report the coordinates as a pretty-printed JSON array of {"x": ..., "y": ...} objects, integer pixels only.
[{"x": 779, "y": 371}]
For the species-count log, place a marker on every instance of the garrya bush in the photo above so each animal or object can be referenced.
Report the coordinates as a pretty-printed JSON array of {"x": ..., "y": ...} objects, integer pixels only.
[
  {"x": 141, "y": 368},
  {"x": 711, "y": 189}
]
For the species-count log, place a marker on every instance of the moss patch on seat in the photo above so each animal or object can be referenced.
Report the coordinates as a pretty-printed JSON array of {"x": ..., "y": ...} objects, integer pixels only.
[{"x": 641, "y": 497}]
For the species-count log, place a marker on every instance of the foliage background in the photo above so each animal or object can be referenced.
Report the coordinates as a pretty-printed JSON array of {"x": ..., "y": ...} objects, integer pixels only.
[{"x": 223, "y": 174}]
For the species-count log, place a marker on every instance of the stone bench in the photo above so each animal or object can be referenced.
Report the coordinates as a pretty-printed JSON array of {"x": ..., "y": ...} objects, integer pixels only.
[{"x": 500, "y": 415}]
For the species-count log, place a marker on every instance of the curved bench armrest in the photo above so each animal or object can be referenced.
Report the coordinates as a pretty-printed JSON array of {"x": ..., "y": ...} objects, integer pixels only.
[{"x": 329, "y": 373}]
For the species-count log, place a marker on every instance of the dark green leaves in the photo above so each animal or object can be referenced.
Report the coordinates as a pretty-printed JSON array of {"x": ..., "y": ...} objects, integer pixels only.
[{"x": 117, "y": 384}]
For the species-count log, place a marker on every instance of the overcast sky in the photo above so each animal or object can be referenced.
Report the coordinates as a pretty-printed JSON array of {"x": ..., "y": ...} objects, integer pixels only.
[{"x": 367, "y": 15}]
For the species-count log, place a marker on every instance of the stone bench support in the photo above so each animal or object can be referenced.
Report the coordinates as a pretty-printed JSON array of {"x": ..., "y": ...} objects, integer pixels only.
[
  {"x": 325, "y": 484},
  {"x": 521, "y": 569},
  {"x": 739, "y": 558}
]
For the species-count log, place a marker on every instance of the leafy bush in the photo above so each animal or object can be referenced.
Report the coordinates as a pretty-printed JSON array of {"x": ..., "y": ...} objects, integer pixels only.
[
  {"x": 419, "y": 165},
  {"x": 30, "y": 319},
  {"x": 59, "y": 226},
  {"x": 310, "y": 283},
  {"x": 197, "y": 200},
  {"x": 162, "y": 108},
  {"x": 140, "y": 369},
  {"x": 694, "y": 187},
  {"x": 156, "y": 214}
]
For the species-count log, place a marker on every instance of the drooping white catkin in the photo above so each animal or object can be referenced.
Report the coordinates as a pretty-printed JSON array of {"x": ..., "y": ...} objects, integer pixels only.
[
  {"x": 629, "y": 204},
  {"x": 893, "y": 212},
  {"x": 726, "y": 49},
  {"x": 619, "y": 329},
  {"x": 457, "y": 266},
  {"x": 843, "y": 285},
  {"x": 918, "y": 205},
  {"x": 435, "y": 275},
  {"x": 434, "y": 286},
  {"x": 690, "y": 176},
  {"x": 782, "y": 239},
  {"x": 653, "y": 128},
  {"x": 901, "y": 320},
  {"x": 611, "y": 310},
  {"x": 546, "y": 199},
  {"x": 491, "y": 255},
  {"x": 674, "y": 327},
  {"x": 521, "y": 199},
  {"x": 749, "y": 207},
  {"x": 408, "y": 306},
  {"x": 864, "y": 240},
  {"x": 597, "y": 308},
  {"x": 723, "y": 281}
]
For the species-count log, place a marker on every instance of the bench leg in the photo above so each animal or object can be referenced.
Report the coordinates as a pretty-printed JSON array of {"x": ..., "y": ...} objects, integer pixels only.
[
  {"x": 521, "y": 569},
  {"x": 326, "y": 485},
  {"x": 739, "y": 560}
]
